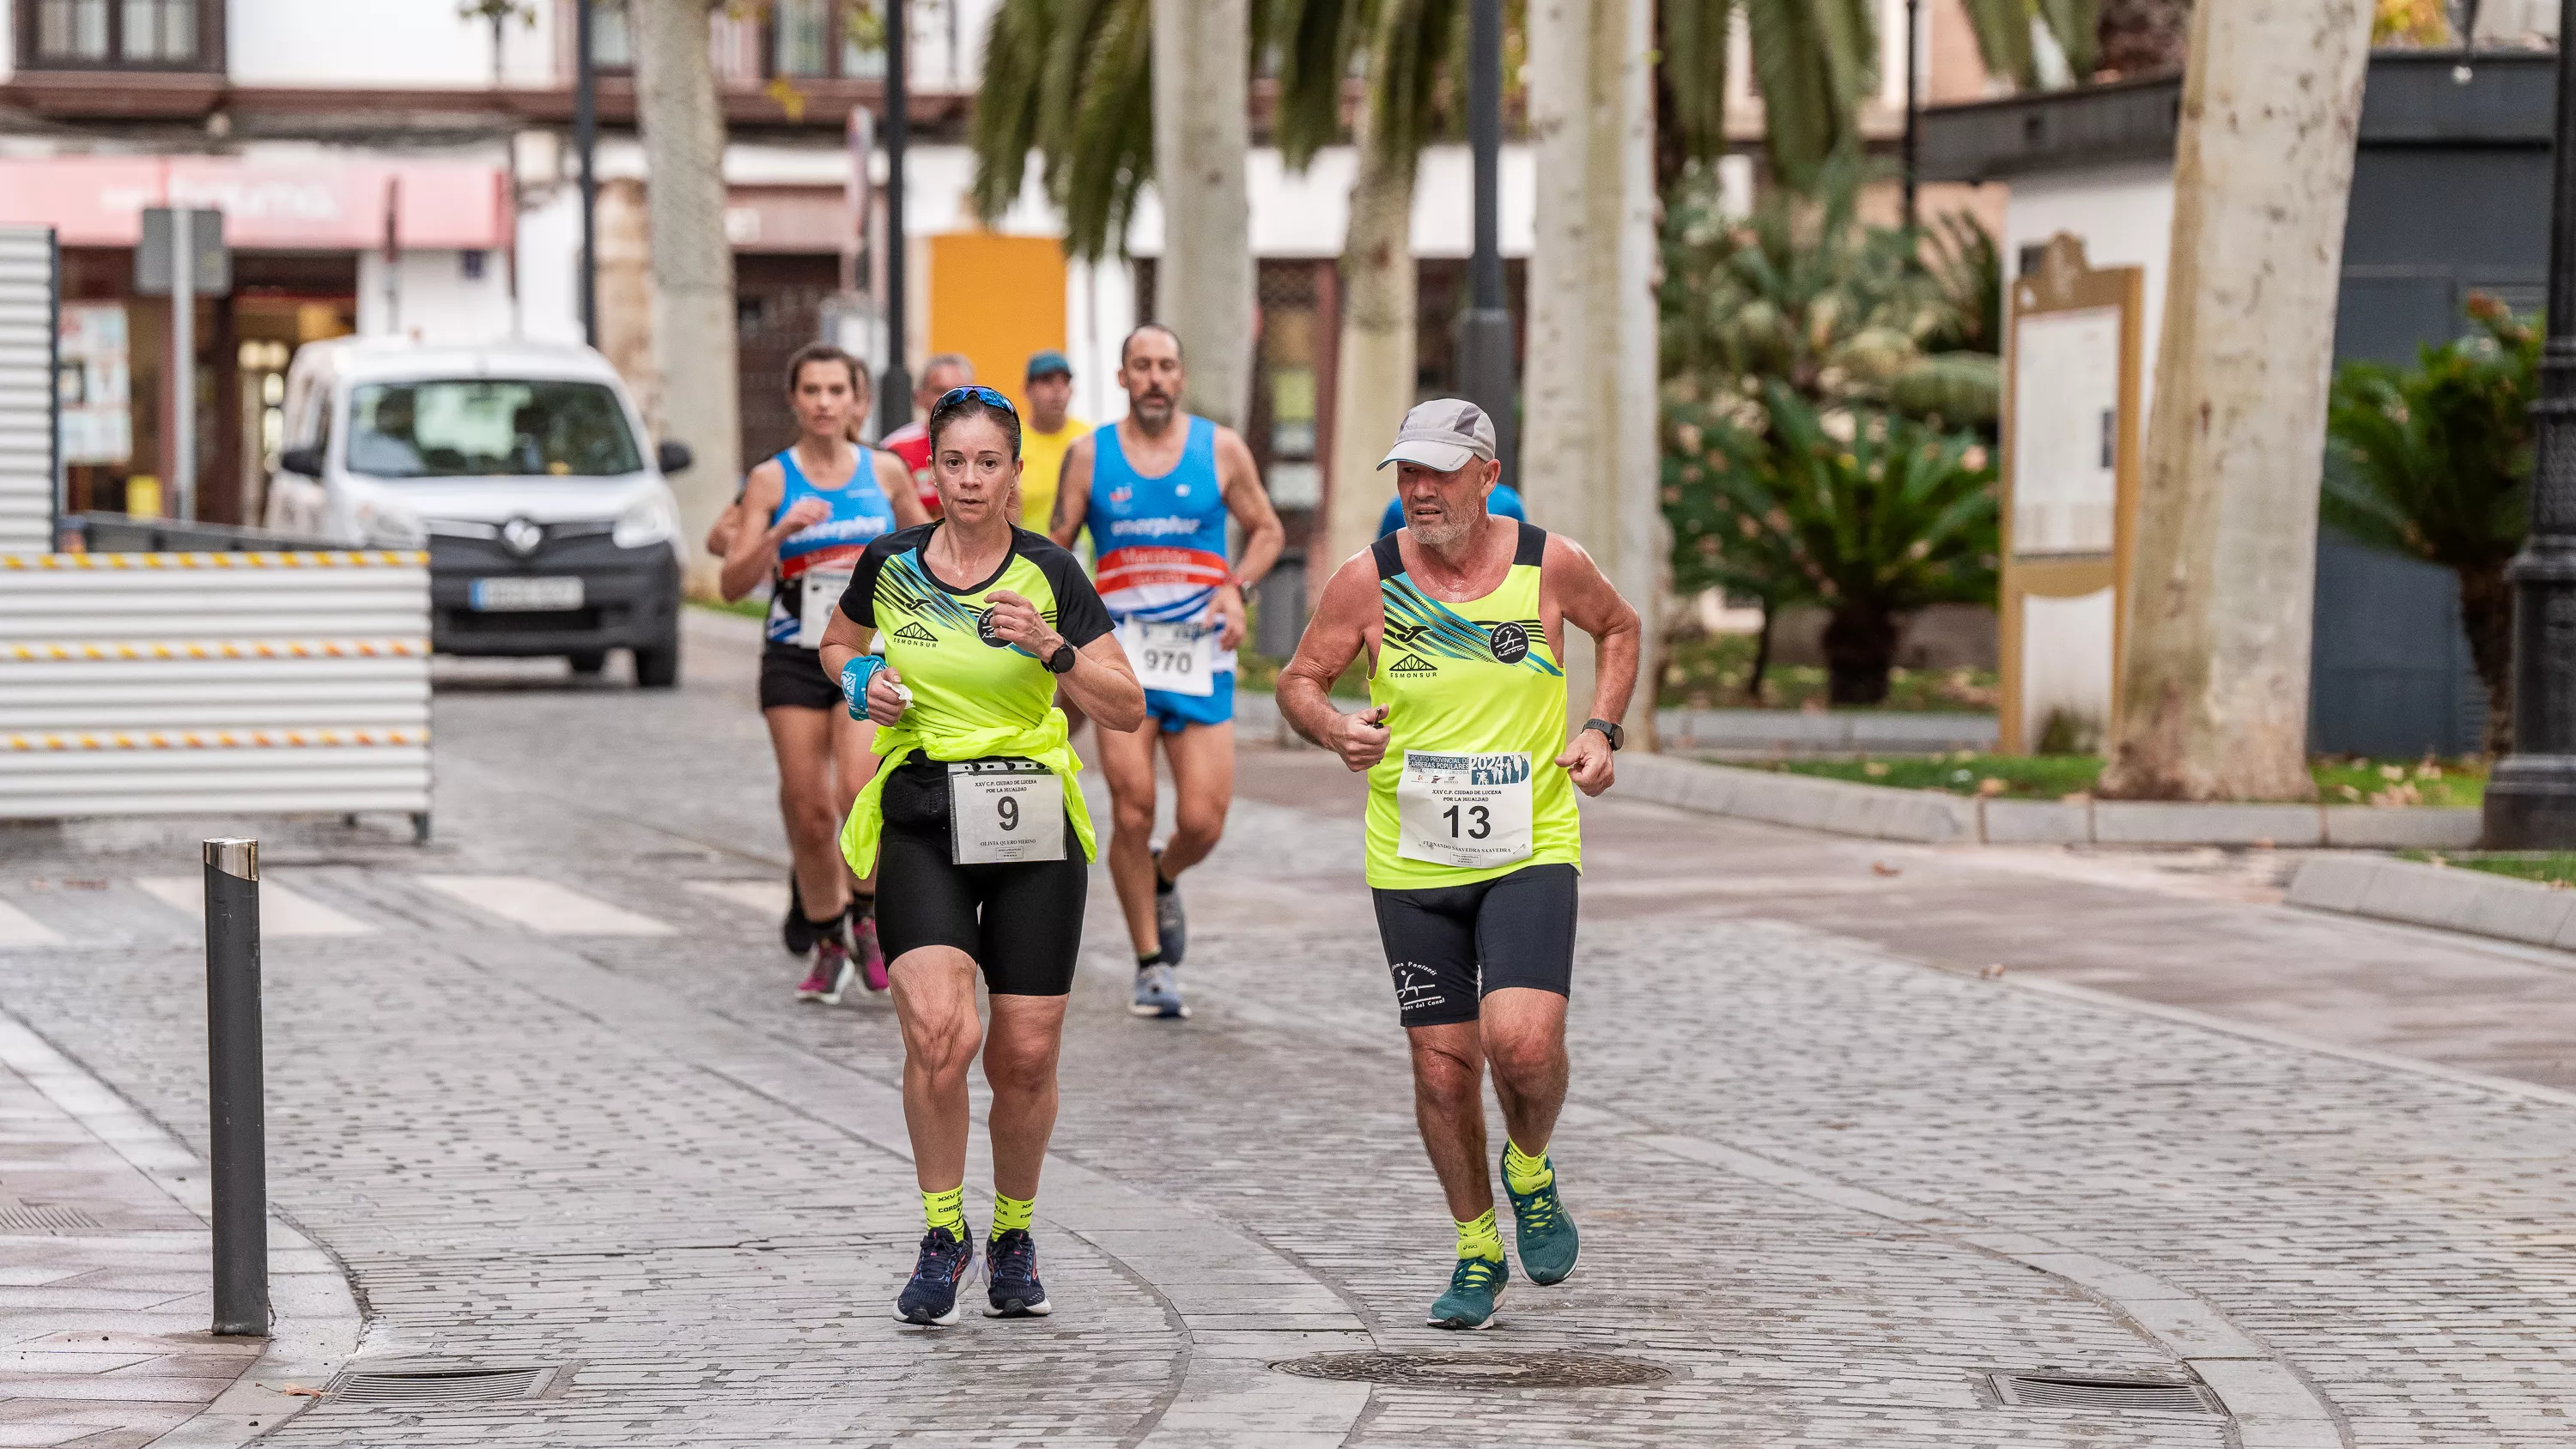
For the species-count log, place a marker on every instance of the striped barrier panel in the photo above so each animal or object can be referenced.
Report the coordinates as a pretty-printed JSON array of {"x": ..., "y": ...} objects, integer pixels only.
[{"x": 258, "y": 683}]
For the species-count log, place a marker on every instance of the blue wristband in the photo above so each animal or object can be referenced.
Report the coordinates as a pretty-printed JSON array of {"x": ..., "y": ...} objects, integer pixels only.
[{"x": 854, "y": 682}]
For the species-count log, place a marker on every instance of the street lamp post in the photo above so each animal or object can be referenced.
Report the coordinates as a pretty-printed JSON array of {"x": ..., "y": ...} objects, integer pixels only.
[
  {"x": 1485, "y": 330},
  {"x": 2531, "y": 800},
  {"x": 585, "y": 143},
  {"x": 1913, "y": 99},
  {"x": 894, "y": 381}
]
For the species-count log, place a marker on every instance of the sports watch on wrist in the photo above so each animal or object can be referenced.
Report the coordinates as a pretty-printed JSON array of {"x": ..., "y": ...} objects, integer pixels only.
[
  {"x": 1610, "y": 731},
  {"x": 1061, "y": 661}
]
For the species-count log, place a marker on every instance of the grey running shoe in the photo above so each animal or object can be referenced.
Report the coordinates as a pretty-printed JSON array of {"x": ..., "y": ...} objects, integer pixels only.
[
  {"x": 1158, "y": 993},
  {"x": 1171, "y": 923}
]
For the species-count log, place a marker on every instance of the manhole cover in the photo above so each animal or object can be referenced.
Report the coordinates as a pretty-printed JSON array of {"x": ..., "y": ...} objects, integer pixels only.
[
  {"x": 1479, "y": 1370},
  {"x": 447, "y": 1385},
  {"x": 2104, "y": 1392}
]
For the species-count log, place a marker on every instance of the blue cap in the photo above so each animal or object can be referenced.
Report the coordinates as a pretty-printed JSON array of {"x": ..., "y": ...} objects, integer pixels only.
[{"x": 1047, "y": 362}]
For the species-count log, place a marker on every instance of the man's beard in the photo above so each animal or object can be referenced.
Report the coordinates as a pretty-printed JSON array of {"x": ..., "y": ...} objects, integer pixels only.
[
  {"x": 1154, "y": 409},
  {"x": 1451, "y": 530}
]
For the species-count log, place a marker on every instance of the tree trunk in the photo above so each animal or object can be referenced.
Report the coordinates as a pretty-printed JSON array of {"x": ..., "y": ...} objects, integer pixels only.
[
  {"x": 693, "y": 304},
  {"x": 1589, "y": 464},
  {"x": 1860, "y": 647},
  {"x": 2214, "y": 670},
  {"x": 1203, "y": 288},
  {"x": 2486, "y": 611},
  {"x": 1376, "y": 368},
  {"x": 1761, "y": 657}
]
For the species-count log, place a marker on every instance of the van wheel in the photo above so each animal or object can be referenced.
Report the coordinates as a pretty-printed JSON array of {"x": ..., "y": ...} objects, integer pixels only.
[
  {"x": 589, "y": 661},
  {"x": 658, "y": 667}
]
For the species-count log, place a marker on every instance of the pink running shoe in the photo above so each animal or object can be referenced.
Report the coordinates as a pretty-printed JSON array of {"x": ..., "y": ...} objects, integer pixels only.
[
  {"x": 871, "y": 957},
  {"x": 830, "y": 975}
]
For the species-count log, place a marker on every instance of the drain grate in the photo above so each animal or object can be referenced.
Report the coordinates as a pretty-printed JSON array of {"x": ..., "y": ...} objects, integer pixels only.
[
  {"x": 1479, "y": 1370},
  {"x": 447, "y": 1385},
  {"x": 26, "y": 1219},
  {"x": 2101, "y": 1392}
]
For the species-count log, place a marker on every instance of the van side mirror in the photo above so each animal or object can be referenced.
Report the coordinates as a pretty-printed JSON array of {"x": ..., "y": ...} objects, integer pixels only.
[
  {"x": 303, "y": 462},
  {"x": 673, "y": 457}
]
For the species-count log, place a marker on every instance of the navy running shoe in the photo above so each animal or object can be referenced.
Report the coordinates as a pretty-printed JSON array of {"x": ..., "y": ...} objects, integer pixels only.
[
  {"x": 947, "y": 1262},
  {"x": 1011, "y": 1277}
]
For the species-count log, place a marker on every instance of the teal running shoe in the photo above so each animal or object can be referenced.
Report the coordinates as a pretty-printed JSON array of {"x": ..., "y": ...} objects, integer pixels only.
[
  {"x": 1543, "y": 1231},
  {"x": 1475, "y": 1291}
]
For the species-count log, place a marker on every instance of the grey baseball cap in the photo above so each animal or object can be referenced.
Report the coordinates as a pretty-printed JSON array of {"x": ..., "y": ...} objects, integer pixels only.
[{"x": 1443, "y": 435}]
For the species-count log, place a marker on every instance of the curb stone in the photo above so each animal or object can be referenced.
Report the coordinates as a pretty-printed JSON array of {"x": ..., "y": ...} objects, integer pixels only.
[
  {"x": 315, "y": 1322},
  {"x": 2446, "y": 898}
]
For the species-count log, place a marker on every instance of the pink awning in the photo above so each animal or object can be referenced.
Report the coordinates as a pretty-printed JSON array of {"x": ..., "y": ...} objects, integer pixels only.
[{"x": 98, "y": 201}]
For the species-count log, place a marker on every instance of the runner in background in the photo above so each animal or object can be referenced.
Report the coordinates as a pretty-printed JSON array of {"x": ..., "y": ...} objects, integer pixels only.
[
  {"x": 1052, "y": 430},
  {"x": 942, "y": 374},
  {"x": 802, "y": 520},
  {"x": 1156, "y": 490}
]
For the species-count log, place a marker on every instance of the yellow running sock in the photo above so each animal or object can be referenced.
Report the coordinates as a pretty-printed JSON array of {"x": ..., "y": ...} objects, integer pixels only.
[
  {"x": 946, "y": 1210},
  {"x": 1480, "y": 1239},
  {"x": 1527, "y": 1172},
  {"x": 1012, "y": 1212}
]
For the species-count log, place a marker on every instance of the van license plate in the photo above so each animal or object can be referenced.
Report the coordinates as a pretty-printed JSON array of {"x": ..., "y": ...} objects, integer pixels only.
[{"x": 525, "y": 595}]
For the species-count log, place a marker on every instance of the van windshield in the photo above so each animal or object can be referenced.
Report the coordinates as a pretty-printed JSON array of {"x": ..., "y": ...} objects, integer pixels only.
[{"x": 489, "y": 427}]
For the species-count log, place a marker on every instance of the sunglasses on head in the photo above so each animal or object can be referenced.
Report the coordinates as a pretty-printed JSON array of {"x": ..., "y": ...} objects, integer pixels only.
[{"x": 983, "y": 395}]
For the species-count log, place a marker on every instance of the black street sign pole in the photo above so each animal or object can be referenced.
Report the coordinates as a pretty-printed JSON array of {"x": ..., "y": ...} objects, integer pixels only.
[
  {"x": 237, "y": 1129},
  {"x": 1485, "y": 329},
  {"x": 2531, "y": 799},
  {"x": 585, "y": 144},
  {"x": 1913, "y": 99},
  {"x": 894, "y": 382}
]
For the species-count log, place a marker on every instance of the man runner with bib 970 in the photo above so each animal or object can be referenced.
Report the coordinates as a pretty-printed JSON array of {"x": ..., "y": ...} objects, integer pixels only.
[
  {"x": 1156, "y": 489},
  {"x": 1474, "y": 844}
]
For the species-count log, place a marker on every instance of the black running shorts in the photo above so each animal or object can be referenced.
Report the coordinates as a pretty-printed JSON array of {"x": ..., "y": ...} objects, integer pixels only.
[
  {"x": 1021, "y": 923},
  {"x": 1519, "y": 928},
  {"x": 792, "y": 678}
]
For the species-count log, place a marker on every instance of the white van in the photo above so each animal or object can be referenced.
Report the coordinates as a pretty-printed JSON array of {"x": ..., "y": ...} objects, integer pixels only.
[{"x": 520, "y": 466}]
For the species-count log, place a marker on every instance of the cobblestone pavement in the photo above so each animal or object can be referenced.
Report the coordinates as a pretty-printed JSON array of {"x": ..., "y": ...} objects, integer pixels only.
[{"x": 555, "y": 1108}]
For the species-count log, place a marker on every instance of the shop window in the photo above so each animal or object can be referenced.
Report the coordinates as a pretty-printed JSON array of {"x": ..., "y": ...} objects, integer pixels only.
[
  {"x": 612, "y": 35},
  {"x": 124, "y": 34},
  {"x": 823, "y": 40}
]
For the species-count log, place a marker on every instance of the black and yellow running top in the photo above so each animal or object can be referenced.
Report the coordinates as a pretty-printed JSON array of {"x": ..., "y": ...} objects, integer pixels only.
[
  {"x": 973, "y": 696},
  {"x": 1473, "y": 689}
]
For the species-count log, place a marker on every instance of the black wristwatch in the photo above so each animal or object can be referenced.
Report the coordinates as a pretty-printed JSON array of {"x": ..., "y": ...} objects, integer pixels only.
[
  {"x": 1609, "y": 731},
  {"x": 1061, "y": 661}
]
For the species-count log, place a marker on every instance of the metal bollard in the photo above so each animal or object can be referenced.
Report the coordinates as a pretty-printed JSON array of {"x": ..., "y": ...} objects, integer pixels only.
[{"x": 238, "y": 1132}]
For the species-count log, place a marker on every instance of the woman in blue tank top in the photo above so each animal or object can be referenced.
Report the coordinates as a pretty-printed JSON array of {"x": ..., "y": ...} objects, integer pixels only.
[{"x": 803, "y": 519}]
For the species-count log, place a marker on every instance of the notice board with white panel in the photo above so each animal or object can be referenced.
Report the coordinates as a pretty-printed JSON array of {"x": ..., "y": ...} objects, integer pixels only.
[{"x": 2070, "y": 465}]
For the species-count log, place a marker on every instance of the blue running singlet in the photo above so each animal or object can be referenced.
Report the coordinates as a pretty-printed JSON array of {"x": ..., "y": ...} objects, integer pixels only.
[{"x": 827, "y": 550}]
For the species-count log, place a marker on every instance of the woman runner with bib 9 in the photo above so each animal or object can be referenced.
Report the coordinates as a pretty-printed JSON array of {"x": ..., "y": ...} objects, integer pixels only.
[
  {"x": 802, "y": 520},
  {"x": 976, "y": 825}
]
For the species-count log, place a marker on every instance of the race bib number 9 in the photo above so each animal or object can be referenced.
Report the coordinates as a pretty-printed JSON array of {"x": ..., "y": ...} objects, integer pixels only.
[
  {"x": 1174, "y": 658},
  {"x": 1004, "y": 812},
  {"x": 823, "y": 590},
  {"x": 1468, "y": 811}
]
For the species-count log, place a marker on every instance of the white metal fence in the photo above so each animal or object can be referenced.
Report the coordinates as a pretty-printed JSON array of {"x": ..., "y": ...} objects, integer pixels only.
[
  {"x": 169, "y": 683},
  {"x": 28, "y": 440}
]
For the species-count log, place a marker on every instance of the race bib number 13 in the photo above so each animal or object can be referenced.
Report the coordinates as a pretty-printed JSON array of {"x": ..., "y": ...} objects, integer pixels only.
[{"x": 1469, "y": 811}]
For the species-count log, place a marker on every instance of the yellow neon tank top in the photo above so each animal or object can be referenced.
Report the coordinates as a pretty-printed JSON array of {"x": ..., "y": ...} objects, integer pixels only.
[{"x": 1468, "y": 685}]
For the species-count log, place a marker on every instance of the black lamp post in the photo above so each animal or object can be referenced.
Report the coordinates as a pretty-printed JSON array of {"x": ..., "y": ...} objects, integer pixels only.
[
  {"x": 585, "y": 144},
  {"x": 2531, "y": 800},
  {"x": 894, "y": 382},
  {"x": 1913, "y": 101},
  {"x": 1485, "y": 329}
]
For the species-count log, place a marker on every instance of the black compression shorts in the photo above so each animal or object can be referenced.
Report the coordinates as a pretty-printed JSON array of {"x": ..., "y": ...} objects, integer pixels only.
[
  {"x": 793, "y": 678},
  {"x": 1519, "y": 928},
  {"x": 1021, "y": 923}
]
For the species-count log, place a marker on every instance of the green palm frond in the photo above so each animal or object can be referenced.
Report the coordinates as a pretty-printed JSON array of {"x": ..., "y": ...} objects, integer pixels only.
[
  {"x": 1816, "y": 60},
  {"x": 1694, "y": 41},
  {"x": 2436, "y": 461},
  {"x": 1004, "y": 127},
  {"x": 1109, "y": 141},
  {"x": 2077, "y": 28},
  {"x": 1417, "y": 72},
  {"x": 2003, "y": 39},
  {"x": 1317, "y": 43}
]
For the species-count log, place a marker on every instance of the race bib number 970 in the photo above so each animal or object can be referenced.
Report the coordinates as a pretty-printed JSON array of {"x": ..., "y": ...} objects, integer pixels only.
[
  {"x": 1468, "y": 811},
  {"x": 1174, "y": 658}
]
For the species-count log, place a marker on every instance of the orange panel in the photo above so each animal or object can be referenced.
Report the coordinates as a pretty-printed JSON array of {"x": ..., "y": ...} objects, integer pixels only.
[{"x": 996, "y": 299}]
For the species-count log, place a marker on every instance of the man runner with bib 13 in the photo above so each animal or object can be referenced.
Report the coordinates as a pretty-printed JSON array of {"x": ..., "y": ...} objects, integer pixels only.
[
  {"x": 1474, "y": 843},
  {"x": 1156, "y": 489},
  {"x": 976, "y": 826}
]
